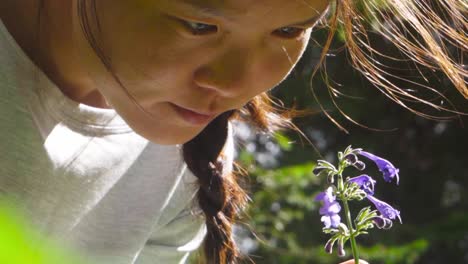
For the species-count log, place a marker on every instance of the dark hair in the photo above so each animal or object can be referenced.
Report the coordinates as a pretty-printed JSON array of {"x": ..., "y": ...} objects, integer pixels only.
[{"x": 220, "y": 196}]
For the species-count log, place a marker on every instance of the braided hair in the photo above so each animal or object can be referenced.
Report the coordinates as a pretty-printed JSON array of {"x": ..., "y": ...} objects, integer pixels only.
[{"x": 221, "y": 196}]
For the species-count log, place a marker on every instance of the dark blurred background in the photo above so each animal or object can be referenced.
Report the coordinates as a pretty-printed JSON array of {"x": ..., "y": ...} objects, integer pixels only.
[{"x": 431, "y": 155}]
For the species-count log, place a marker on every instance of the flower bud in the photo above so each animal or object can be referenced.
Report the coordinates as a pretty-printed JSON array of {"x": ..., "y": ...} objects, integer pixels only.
[
  {"x": 388, "y": 223},
  {"x": 329, "y": 246},
  {"x": 359, "y": 165},
  {"x": 382, "y": 222},
  {"x": 379, "y": 221},
  {"x": 317, "y": 170},
  {"x": 341, "y": 251},
  {"x": 343, "y": 228},
  {"x": 351, "y": 158},
  {"x": 340, "y": 155},
  {"x": 331, "y": 178}
]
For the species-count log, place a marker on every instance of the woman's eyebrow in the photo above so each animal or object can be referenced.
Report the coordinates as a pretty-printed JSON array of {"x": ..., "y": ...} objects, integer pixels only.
[
  {"x": 311, "y": 21},
  {"x": 308, "y": 22}
]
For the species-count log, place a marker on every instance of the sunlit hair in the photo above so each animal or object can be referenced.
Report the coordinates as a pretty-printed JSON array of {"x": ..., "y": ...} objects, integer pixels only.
[
  {"x": 423, "y": 30},
  {"x": 420, "y": 29}
]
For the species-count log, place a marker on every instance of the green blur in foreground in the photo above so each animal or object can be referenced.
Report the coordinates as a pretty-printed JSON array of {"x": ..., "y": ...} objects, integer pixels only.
[{"x": 19, "y": 244}]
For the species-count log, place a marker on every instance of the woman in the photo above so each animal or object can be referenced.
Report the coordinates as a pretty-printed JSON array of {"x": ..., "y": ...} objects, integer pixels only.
[{"x": 115, "y": 115}]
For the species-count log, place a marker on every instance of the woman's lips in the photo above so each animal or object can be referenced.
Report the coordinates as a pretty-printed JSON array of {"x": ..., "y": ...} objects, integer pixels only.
[{"x": 192, "y": 117}]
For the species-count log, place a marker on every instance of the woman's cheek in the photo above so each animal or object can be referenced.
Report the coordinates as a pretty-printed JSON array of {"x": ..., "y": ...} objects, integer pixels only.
[
  {"x": 151, "y": 52},
  {"x": 281, "y": 60},
  {"x": 298, "y": 47},
  {"x": 278, "y": 62}
]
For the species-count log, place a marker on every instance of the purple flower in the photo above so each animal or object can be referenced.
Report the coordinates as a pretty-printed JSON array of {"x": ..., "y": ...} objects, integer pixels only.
[
  {"x": 330, "y": 208},
  {"x": 389, "y": 171},
  {"x": 365, "y": 182},
  {"x": 385, "y": 209}
]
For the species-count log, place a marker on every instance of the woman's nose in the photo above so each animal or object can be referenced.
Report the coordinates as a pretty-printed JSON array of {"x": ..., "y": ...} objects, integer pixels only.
[{"x": 227, "y": 74}]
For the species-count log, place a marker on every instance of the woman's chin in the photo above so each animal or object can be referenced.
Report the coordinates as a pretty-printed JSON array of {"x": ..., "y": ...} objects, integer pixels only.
[{"x": 168, "y": 135}]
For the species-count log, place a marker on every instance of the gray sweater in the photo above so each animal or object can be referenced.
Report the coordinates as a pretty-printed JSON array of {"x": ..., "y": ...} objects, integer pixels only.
[{"x": 81, "y": 176}]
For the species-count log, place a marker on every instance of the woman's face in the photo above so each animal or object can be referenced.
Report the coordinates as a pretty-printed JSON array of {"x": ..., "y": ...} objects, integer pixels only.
[{"x": 187, "y": 61}]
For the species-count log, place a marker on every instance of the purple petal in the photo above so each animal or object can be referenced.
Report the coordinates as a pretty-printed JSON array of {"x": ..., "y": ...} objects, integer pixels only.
[
  {"x": 331, "y": 220},
  {"x": 384, "y": 208},
  {"x": 326, "y": 221},
  {"x": 335, "y": 220},
  {"x": 327, "y": 196},
  {"x": 331, "y": 208},
  {"x": 320, "y": 196},
  {"x": 386, "y": 167},
  {"x": 365, "y": 182}
]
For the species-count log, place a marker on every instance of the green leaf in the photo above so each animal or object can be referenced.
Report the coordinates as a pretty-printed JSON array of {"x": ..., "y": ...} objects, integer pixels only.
[
  {"x": 19, "y": 244},
  {"x": 283, "y": 141}
]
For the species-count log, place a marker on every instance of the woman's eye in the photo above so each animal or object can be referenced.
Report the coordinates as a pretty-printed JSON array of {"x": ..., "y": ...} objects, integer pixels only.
[
  {"x": 289, "y": 32},
  {"x": 197, "y": 28}
]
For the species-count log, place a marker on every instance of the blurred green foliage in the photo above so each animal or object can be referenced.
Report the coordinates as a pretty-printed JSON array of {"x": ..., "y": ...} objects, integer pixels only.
[{"x": 20, "y": 244}]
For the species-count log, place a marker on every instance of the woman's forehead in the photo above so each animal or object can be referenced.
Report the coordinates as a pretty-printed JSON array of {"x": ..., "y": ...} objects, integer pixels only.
[
  {"x": 260, "y": 9},
  {"x": 247, "y": 6}
]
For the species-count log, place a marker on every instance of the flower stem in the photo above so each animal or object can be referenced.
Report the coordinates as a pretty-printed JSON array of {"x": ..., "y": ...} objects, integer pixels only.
[
  {"x": 354, "y": 247},
  {"x": 350, "y": 226}
]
